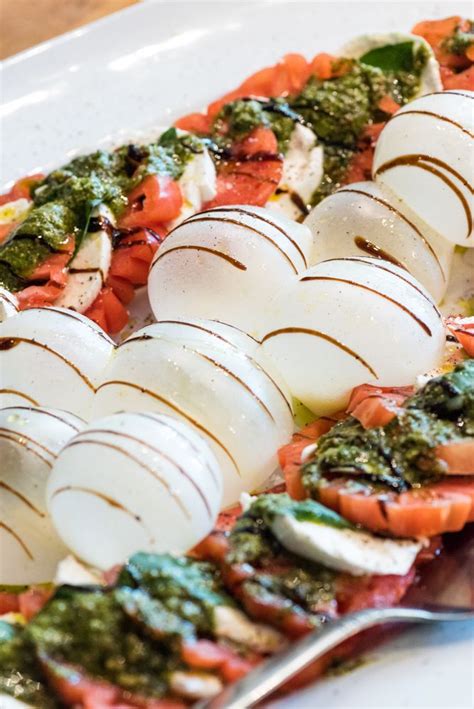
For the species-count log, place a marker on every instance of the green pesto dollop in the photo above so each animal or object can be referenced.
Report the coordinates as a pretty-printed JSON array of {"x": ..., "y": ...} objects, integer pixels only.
[
  {"x": 280, "y": 577},
  {"x": 460, "y": 41},
  {"x": 51, "y": 223},
  {"x": 267, "y": 507},
  {"x": 20, "y": 674},
  {"x": 402, "y": 65},
  {"x": 189, "y": 588},
  {"x": 401, "y": 454},
  {"x": 240, "y": 117},
  {"x": 89, "y": 629}
]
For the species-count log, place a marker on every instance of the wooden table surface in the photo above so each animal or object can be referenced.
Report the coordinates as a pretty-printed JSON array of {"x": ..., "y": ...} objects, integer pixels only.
[{"x": 28, "y": 22}]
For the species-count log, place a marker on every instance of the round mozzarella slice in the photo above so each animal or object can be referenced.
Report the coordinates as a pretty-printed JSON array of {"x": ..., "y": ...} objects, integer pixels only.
[
  {"x": 352, "y": 321},
  {"x": 358, "y": 47},
  {"x": 206, "y": 374},
  {"x": 88, "y": 269},
  {"x": 130, "y": 482},
  {"x": 227, "y": 264},
  {"x": 359, "y": 220},
  {"x": 8, "y": 304},
  {"x": 424, "y": 158},
  {"x": 52, "y": 357},
  {"x": 30, "y": 440},
  {"x": 302, "y": 173}
]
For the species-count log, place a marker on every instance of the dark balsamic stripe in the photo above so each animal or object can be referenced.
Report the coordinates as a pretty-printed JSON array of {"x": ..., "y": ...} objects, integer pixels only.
[
  {"x": 323, "y": 336},
  {"x": 22, "y": 498},
  {"x": 237, "y": 264},
  {"x": 348, "y": 282},
  {"x": 20, "y": 541}
]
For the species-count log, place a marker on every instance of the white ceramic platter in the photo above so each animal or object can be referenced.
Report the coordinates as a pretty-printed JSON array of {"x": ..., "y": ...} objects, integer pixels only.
[{"x": 124, "y": 76}]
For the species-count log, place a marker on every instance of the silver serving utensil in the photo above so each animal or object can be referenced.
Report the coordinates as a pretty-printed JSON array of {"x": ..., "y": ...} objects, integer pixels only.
[{"x": 443, "y": 592}]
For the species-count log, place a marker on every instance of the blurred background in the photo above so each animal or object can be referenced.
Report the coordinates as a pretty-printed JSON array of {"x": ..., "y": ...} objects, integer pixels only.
[{"x": 27, "y": 22}]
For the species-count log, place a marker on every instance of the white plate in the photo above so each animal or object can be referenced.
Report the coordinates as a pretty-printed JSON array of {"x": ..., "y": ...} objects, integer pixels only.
[{"x": 139, "y": 69}]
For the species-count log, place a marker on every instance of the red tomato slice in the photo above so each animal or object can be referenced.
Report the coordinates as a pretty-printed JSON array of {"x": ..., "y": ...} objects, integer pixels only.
[
  {"x": 376, "y": 406},
  {"x": 457, "y": 486},
  {"x": 436, "y": 32},
  {"x": 131, "y": 269},
  {"x": 38, "y": 296},
  {"x": 252, "y": 176},
  {"x": 195, "y": 123},
  {"x": 122, "y": 288},
  {"x": 356, "y": 593},
  {"x": 463, "y": 331},
  {"x": 418, "y": 513},
  {"x": 388, "y": 105},
  {"x": 6, "y": 229},
  {"x": 157, "y": 199},
  {"x": 463, "y": 81},
  {"x": 54, "y": 269},
  {"x": 22, "y": 188},
  {"x": 459, "y": 456},
  {"x": 32, "y": 601},
  {"x": 108, "y": 312},
  {"x": 9, "y": 602}
]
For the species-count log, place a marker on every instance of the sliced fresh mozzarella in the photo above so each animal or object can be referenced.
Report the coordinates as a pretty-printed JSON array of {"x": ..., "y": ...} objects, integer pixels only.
[
  {"x": 430, "y": 77},
  {"x": 345, "y": 549},
  {"x": 241, "y": 253},
  {"x": 302, "y": 173},
  {"x": 195, "y": 685},
  {"x": 30, "y": 440},
  {"x": 198, "y": 185},
  {"x": 8, "y": 304},
  {"x": 14, "y": 211},
  {"x": 88, "y": 269},
  {"x": 351, "y": 321},
  {"x": 231, "y": 624},
  {"x": 206, "y": 374},
  {"x": 71, "y": 572},
  {"x": 159, "y": 488},
  {"x": 52, "y": 357}
]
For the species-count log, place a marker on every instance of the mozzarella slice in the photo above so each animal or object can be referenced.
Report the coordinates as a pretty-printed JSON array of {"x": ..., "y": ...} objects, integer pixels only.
[
  {"x": 15, "y": 211},
  {"x": 30, "y": 440},
  {"x": 159, "y": 489},
  {"x": 8, "y": 304},
  {"x": 360, "y": 220},
  {"x": 52, "y": 357},
  {"x": 88, "y": 269},
  {"x": 423, "y": 160},
  {"x": 351, "y": 321},
  {"x": 195, "y": 685},
  {"x": 71, "y": 572},
  {"x": 198, "y": 185},
  {"x": 350, "y": 550},
  {"x": 231, "y": 624},
  {"x": 227, "y": 264},
  {"x": 206, "y": 374},
  {"x": 303, "y": 169},
  {"x": 430, "y": 77}
]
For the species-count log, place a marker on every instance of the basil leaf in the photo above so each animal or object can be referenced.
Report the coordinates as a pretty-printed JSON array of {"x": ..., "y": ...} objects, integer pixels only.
[{"x": 392, "y": 57}]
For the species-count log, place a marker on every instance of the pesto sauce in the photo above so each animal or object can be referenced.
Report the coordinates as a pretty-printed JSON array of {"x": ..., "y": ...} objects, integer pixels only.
[
  {"x": 401, "y": 454},
  {"x": 20, "y": 674},
  {"x": 296, "y": 585},
  {"x": 267, "y": 507},
  {"x": 188, "y": 588},
  {"x": 63, "y": 201},
  {"x": 90, "y": 630},
  {"x": 460, "y": 41}
]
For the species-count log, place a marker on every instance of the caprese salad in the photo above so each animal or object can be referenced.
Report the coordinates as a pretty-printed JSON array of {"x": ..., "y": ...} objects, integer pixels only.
[{"x": 296, "y": 239}]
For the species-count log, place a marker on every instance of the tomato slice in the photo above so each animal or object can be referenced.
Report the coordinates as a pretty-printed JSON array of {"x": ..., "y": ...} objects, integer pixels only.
[
  {"x": 437, "y": 31},
  {"x": 253, "y": 174},
  {"x": 376, "y": 406},
  {"x": 463, "y": 81},
  {"x": 122, "y": 288},
  {"x": 459, "y": 456},
  {"x": 38, "y": 296},
  {"x": 6, "y": 229},
  {"x": 356, "y": 593},
  {"x": 427, "y": 512},
  {"x": 129, "y": 268},
  {"x": 195, "y": 123},
  {"x": 22, "y": 188},
  {"x": 463, "y": 331},
  {"x": 33, "y": 600},
  {"x": 157, "y": 199},
  {"x": 108, "y": 312}
]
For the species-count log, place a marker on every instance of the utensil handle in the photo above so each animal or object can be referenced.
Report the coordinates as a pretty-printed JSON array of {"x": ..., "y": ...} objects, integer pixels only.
[{"x": 276, "y": 671}]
